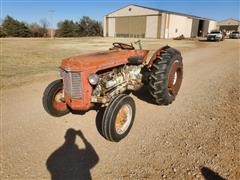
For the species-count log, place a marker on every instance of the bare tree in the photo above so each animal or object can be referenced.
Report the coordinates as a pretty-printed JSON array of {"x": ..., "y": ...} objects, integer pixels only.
[{"x": 44, "y": 23}]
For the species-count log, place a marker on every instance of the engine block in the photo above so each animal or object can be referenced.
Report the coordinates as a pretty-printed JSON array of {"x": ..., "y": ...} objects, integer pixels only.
[{"x": 118, "y": 80}]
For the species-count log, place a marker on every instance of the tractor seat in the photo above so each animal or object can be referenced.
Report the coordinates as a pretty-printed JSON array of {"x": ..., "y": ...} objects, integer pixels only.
[{"x": 135, "y": 60}]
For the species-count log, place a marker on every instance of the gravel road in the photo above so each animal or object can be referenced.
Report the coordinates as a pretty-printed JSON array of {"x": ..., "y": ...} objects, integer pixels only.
[{"x": 195, "y": 137}]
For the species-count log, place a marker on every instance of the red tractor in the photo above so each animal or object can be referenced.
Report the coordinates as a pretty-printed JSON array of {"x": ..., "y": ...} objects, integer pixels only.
[{"x": 104, "y": 80}]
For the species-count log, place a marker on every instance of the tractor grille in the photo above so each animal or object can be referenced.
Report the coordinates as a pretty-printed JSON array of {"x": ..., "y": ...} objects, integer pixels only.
[{"x": 72, "y": 84}]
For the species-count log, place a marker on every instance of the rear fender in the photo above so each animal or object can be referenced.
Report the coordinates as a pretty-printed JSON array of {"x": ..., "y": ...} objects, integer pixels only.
[{"x": 157, "y": 53}]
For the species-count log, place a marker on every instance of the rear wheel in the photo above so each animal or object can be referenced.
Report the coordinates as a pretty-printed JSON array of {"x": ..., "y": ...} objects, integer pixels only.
[
  {"x": 52, "y": 99},
  {"x": 117, "y": 119},
  {"x": 166, "y": 77}
]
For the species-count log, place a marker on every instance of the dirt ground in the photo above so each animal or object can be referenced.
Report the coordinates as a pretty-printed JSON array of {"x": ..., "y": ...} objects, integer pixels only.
[{"x": 196, "y": 137}]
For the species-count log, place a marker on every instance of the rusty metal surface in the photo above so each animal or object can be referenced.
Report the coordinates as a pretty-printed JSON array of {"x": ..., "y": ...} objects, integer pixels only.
[
  {"x": 157, "y": 53},
  {"x": 101, "y": 60},
  {"x": 87, "y": 64},
  {"x": 114, "y": 78},
  {"x": 83, "y": 103},
  {"x": 57, "y": 102},
  {"x": 175, "y": 70}
]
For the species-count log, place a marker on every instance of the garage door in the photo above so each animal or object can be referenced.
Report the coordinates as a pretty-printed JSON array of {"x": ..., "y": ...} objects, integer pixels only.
[
  {"x": 229, "y": 28},
  {"x": 130, "y": 26}
]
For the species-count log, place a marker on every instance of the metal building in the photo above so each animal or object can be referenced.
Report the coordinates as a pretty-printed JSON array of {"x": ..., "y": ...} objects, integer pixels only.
[
  {"x": 143, "y": 22},
  {"x": 229, "y": 25}
]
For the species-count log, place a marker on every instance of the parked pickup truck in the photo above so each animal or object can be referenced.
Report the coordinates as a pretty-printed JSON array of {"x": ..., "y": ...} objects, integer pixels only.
[
  {"x": 234, "y": 35},
  {"x": 215, "y": 36}
]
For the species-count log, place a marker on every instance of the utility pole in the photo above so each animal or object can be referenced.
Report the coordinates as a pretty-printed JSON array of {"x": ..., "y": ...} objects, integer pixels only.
[{"x": 51, "y": 12}]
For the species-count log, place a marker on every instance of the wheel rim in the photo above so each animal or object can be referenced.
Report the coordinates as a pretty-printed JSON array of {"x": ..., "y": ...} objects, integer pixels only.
[
  {"x": 57, "y": 101},
  {"x": 175, "y": 77},
  {"x": 123, "y": 119}
]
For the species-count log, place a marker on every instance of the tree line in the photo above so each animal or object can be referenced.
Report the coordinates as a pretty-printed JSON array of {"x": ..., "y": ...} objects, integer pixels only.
[{"x": 86, "y": 26}]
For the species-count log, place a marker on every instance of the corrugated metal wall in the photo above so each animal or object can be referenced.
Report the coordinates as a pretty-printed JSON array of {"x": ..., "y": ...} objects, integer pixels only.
[
  {"x": 159, "y": 26},
  {"x": 229, "y": 28},
  {"x": 195, "y": 26},
  {"x": 136, "y": 21},
  {"x": 130, "y": 26}
]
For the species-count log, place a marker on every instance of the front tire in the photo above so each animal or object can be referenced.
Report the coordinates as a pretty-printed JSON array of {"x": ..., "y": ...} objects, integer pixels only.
[
  {"x": 117, "y": 119},
  {"x": 166, "y": 77},
  {"x": 52, "y": 99}
]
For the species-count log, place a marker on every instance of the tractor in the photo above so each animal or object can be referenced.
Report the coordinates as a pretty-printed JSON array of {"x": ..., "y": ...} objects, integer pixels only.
[{"x": 104, "y": 80}]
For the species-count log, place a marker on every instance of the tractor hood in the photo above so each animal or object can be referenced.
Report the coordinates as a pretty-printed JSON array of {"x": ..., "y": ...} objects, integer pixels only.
[{"x": 101, "y": 60}]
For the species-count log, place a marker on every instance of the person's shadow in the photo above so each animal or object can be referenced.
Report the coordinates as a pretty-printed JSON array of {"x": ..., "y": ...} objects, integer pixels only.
[
  {"x": 209, "y": 174},
  {"x": 69, "y": 162}
]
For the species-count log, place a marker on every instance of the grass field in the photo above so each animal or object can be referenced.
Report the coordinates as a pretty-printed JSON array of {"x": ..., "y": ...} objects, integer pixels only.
[{"x": 26, "y": 60}]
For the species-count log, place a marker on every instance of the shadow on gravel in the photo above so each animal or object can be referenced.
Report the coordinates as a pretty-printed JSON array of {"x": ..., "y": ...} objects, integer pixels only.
[
  {"x": 144, "y": 95},
  {"x": 70, "y": 162},
  {"x": 208, "y": 174},
  {"x": 205, "y": 40}
]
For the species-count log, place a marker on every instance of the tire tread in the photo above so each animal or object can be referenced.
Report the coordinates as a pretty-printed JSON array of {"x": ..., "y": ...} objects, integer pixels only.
[{"x": 159, "y": 74}]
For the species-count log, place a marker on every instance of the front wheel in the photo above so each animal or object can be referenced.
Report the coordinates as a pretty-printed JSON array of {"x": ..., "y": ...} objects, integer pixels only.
[
  {"x": 117, "y": 119},
  {"x": 52, "y": 99}
]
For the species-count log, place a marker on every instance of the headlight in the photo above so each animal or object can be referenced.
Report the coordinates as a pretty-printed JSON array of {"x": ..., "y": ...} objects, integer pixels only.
[{"x": 93, "y": 79}]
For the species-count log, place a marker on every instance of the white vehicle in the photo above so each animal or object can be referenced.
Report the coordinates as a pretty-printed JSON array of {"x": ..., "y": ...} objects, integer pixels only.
[
  {"x": 215, "y": 36},
  {"x": 234, "y": 35}
]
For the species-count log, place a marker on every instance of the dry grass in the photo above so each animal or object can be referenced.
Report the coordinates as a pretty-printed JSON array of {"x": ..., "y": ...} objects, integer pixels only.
[{"x": 24, "y": 60}]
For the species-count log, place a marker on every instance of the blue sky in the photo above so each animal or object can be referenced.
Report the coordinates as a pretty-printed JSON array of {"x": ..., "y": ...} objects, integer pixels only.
[{"x": 35, "y": 10}]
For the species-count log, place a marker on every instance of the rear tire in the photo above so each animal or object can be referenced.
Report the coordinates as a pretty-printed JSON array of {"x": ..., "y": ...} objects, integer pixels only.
[
  {"x": 52, "y": 99},
  {"x": 166, "y": 77},
  {"x": 117, "y": 119}
]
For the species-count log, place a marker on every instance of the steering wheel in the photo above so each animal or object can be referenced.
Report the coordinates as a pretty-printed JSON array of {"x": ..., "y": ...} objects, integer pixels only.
[{"x": 123, "y": 46}]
